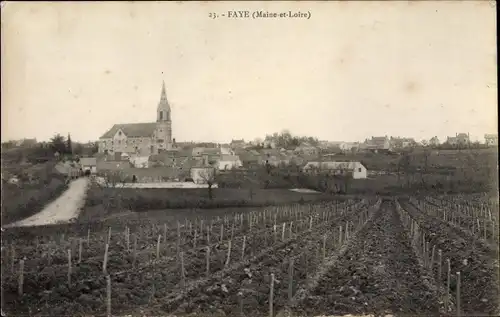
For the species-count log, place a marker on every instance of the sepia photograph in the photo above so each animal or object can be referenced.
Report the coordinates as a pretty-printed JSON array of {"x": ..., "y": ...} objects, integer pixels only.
[{"x": 249, "y": 158}]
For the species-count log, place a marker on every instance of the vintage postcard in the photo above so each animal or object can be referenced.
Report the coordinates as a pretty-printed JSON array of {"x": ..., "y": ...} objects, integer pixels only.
[{"x": 249, "y": 158}]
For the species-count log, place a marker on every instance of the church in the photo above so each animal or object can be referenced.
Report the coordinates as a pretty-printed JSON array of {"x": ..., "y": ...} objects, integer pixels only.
[{"x": 141, "y": 138}]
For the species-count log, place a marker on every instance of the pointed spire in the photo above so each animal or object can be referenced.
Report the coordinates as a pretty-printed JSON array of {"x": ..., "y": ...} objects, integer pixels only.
[
  {"x": 163, "y": 98},
  {"x": 163, "y": 91}
]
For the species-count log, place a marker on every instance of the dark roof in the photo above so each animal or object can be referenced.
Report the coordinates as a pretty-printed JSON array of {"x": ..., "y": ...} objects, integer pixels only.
[
  {"x": 88, "y": 161},
  {"x": 132, "y": 130},
  {"x": 205, "y": 151}
]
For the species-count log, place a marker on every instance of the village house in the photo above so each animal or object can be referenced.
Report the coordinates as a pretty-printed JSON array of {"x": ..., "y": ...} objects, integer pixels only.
[
  {"x": 249, "y": 158},
  {"x": 349, "y": 146},
  {"x": 70, "y": 169},
  {"x": 377, "y": 144},
  {"x": 452, "y": 140},
  {"x": 459, "y": 140},
  {"x": 237, "y": 144},
  {"x": 269, "y": 144},
  {"x": 228, "y": 162},
  {"x": 307, "y": 149},
  {"x": 463, "y": 139},
  {"x": 89, "y": 164},
  {"x": 226, "y": 149},
  {"x": 491, "y": 139},
  {"x": 141, "y": 138},
  {"x": 356, "y": 169},
  {"x": 202, "y": 175},
  {"x": 434, "y": 141},
  {"x": 402, "y": 143}
]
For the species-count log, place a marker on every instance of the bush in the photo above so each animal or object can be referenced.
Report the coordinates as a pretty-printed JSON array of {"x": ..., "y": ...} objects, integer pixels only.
[{"x": 19, "y": 202}]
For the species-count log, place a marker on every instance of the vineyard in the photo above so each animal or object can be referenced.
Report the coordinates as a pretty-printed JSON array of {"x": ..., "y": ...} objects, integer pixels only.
[{"x": 416, "y": 255}]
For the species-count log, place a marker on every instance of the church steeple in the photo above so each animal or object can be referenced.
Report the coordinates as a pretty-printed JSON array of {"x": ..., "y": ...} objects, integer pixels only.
[{"x": 163, "y": 110}]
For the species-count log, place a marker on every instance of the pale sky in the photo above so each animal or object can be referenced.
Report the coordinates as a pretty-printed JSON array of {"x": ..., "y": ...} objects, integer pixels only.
[{"x": 352, "y": 70}]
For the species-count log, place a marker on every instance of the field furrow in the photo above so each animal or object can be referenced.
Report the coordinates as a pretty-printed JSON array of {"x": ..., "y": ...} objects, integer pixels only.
[
  {"x": 378, "y": 273},
  {"x": 479, "y": 291}
]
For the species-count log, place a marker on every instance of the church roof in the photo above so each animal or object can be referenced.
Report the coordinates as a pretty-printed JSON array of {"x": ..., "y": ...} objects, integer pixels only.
[{"x": 132, "y": 130}]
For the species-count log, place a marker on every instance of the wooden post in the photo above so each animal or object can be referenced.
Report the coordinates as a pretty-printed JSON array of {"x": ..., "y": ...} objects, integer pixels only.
[
  {"x": 165, "y": 232},
  {"x": 21, "y": 277},
  {"x": 290, "y": 281},
  {"x": 105, "y": 262},
  {"x": 183, "y": 276},
  {"x": 324, "y": 247},
  {"x": 13, "y": 257},
  {"x": 178, "y": 237},
  {"x": 275, "y": 234},
  {"x": 240, "y": 302},
  {"x": 271, "y": 296},
  {"x": 208, "y": 261},
  {"x": 109, "y": 235},
  {"x": 432, "y": 257},
  {"x": 158, "y": 248},
  {"x": 440, "y": 257},
  {"x": 291, "y": 226},
  {"x": 221, "y": 232},
  {"x": 127, "y": 237},
  {"x": 135, "y": 251},
  {"x": 80, "y": 247},
  {"x": 108, "y": 296},
  {"x": 88, "y": 236},
  {"x": 458, "y": 295},
  {"x": 283, "y": 232},
  {"x": 427, "y": 257},
  {"x": 243, "y": 248},
  {"x": 447, "y": 300},
  {"x": 340, "y": 236},
  {"x": 228, "y": 253},
  {"x": 195, "y": 237},
  {"x": 69, "y": 268}
]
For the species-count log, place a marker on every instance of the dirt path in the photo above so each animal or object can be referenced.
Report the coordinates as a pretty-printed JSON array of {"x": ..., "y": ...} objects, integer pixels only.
[
  {"x": 63, "y": 209},
  {"x": 378, "y": 274}
]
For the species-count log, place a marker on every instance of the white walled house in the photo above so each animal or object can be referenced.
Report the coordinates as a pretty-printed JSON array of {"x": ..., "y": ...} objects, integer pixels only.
[
  {"x": 357, "y": 169},
  {"x": 491, "y": 139},
  {"x": 89, "y": 164},
  {"x": 228, "y": 162},
  {"x": 201, "y": 175}
]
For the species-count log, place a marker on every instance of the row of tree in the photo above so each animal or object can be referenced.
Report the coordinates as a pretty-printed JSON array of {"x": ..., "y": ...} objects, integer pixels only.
[{"x": 284, "y": 139}]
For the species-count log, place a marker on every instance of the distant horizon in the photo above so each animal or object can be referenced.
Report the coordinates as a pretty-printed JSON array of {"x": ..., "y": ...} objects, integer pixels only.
[
  {"x": 441, "y": 139},
  {"x": 352, "y": 71}
]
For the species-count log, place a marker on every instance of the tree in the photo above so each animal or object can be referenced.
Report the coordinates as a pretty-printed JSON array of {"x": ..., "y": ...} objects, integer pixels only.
[
  {"x": 78, "y": 149},
  {"x": 58, "y": 144},
  {"x": 425, "y": 170},
  {"x": 404, "y": 165},
  {"x": 112, "y": 179},
  {"x": 208, "y": 176},
  {"x": 69, "y": 146}
]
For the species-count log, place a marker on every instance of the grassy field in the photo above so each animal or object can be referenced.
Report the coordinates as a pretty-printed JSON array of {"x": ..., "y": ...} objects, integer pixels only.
[
  {"x": 105, "y": 201},
  {"x": 38, "y": 185}
]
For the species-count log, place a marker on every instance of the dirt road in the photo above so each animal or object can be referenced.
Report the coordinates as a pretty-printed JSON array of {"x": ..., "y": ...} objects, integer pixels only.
[{"x": 63, "y": 209}]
